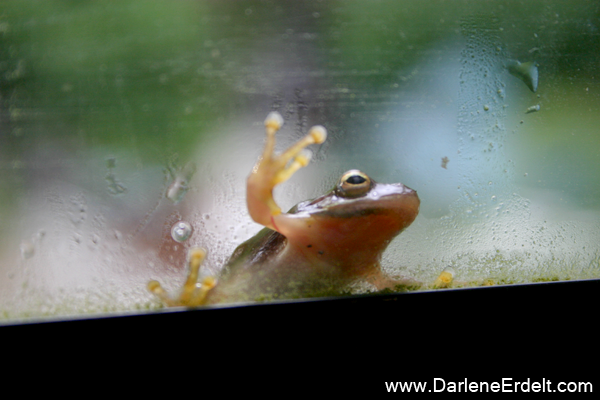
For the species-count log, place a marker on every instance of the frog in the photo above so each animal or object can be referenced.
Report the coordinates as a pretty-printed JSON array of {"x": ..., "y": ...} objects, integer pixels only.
[{"x": 319, "y": 245}]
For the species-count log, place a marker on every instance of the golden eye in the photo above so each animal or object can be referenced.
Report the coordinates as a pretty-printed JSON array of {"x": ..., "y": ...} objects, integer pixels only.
[{"x": 353, "y": 183}]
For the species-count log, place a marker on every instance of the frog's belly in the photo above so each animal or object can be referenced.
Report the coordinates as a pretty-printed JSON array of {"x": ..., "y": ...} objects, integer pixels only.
[{"x": 285, "y": 276}]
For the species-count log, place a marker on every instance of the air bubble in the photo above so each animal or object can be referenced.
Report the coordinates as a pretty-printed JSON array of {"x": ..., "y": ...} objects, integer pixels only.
[{"x": 181, "y": 231}]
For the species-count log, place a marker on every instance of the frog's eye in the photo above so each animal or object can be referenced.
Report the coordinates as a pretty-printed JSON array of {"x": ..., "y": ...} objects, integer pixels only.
[{"x": 353, "y": 183}]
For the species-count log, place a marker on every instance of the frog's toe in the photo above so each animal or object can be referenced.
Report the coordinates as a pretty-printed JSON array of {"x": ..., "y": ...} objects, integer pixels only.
[
  {"x": 193, "y": 293},
  {"x": 273, "y": 122},
  {"x": 298, "y": 156},
  {"x": 301, "y": 160},
  {"x": 155, "y": 288},
  {"x": 318, "y": 133},
  {"x": 444, "y": 279}
]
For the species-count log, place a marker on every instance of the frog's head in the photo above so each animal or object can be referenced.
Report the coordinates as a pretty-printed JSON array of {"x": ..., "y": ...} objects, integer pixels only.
[
  {"x": 357, "y": 195},
  {"x": 359, "y": 216}
]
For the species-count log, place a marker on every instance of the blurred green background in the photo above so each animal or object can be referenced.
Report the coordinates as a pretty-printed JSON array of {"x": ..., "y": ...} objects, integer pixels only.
[{"x": 102, "y": 103}]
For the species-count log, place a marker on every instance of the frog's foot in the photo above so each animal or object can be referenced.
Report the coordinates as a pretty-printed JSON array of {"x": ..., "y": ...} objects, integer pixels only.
[
  {"x": 445, "y": 279},
  {"x": 193, "y": 293},
  {"x": 273, "y": 169}
]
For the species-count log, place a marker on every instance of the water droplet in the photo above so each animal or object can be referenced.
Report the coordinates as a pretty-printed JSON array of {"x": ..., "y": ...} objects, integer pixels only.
[
  {"x": 114, "y": 186},
  {"x": 527, "y": 72},
  {"x": 27, "y": 249},
  {"x": 181, "y": 231},
  {"x": 180, "y": 184}
]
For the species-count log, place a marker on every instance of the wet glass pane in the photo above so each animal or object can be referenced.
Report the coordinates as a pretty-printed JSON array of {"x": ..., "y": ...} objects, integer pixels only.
[{"x": 120, "y": 119}]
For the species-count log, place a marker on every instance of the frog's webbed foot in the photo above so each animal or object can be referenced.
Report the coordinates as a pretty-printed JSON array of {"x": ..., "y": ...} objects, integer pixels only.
[
  {"x": 193, "y": 293},
  {"x": 273, "y": 169}
]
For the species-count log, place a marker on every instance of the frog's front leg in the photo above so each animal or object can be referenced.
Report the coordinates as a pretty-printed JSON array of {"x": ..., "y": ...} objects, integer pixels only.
[
  {"x": 193, "y": 293},
  {"x": 273, "y": 169}
]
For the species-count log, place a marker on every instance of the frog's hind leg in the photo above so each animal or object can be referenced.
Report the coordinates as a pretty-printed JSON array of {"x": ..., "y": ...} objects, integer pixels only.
[
  {"x": 273, "y": 169},
  {"x": 193, "y": 293}
]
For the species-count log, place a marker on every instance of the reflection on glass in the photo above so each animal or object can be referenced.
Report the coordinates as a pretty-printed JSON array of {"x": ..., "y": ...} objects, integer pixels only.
[{"x": 120, "y": 119}]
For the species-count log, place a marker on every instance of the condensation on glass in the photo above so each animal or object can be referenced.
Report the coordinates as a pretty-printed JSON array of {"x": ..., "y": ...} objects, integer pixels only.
[{"x": 127, "y": 131}]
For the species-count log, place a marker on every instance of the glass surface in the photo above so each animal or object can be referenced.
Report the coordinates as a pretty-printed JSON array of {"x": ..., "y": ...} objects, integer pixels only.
[{"x": 121, "y": 118}]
